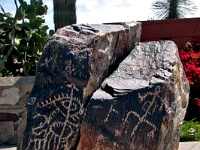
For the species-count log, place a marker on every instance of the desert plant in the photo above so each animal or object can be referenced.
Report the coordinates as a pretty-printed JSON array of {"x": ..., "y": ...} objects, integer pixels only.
[
  {"x": 22, "y": 38},
  {"x": 173, "y": 9},
  {"x": 190, "y": 57},
  {"x": 64, "y": 13},
  {"x": 187, "y": 128}
]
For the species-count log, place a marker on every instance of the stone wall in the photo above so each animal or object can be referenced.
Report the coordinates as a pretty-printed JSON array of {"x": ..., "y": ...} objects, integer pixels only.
[{"x": 14, "y": 92}]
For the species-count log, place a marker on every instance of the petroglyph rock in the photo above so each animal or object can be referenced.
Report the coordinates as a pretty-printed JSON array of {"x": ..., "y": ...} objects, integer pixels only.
[
  {"x": 142, "y": 105},
  {"x": 73, "y": 65}
]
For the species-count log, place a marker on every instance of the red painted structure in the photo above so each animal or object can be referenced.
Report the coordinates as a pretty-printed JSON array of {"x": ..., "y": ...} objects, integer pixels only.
[{"x": 178, "y": 30}]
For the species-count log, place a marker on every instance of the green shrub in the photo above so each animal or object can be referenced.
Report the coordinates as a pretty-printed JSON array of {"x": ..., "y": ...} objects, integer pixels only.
[
  {"x": 22, "y": 38},
  {"x": 187, "y": 127}
]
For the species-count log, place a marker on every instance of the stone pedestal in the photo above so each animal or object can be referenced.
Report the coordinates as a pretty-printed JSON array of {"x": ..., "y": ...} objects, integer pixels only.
[{"x": 14, "y": 92}]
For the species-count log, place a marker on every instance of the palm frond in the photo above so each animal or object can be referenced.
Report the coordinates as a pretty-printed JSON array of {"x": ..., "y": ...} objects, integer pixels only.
[{"x": 173, "y": 9}]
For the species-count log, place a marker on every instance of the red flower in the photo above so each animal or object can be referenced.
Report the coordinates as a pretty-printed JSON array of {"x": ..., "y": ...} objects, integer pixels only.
[
  {"x": 191, "y": 65},
  {"x": 197, "y": 102}
]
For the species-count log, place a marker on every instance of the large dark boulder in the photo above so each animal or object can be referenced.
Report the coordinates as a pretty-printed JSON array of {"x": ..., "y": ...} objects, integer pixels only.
[
  {"x": 73, "y": 65},
  {"x": 141, "y": 106}
]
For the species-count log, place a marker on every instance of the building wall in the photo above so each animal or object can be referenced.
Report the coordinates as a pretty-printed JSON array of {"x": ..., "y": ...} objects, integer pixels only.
[{"x": 178, "y": 30}]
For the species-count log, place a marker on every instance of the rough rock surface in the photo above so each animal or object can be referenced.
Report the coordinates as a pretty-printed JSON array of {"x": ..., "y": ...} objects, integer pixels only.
[
  {"x": 74, "y": 63},
  {"x": 141, "y": 106}
]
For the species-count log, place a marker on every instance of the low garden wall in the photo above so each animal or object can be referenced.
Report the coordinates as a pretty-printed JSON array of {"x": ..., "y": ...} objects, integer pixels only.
[
  {"x": 178, "y": 30},
  {"x": 14, "y": 92}
]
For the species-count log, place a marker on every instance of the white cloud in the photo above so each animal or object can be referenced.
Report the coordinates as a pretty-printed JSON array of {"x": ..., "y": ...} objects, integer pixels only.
[
  {"x": 88, "y": 5},
  {"x": 9, "y": 6},
  {"x": 101, "y": 11},
  {"x": 114, "y": 11},
  {"x": 197, "y": 13}
]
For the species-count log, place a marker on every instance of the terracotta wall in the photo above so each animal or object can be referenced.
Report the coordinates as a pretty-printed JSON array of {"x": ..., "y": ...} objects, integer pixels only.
[{"x": 179, "y": 30}]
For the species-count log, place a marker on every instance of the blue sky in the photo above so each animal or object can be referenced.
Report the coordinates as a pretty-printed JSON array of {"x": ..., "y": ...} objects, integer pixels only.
[{"x": 101, "y": 11}]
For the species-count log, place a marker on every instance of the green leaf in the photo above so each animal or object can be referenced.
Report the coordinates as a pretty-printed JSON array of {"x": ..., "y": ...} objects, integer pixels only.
[
  {"x": 1, "y": 15},
  {"x": 10, "y": 21},
  {"x": 23, "y": 42},
  {"x": 26, "y": 67},
  {"x": 31, "y": 17},
  {"x": 36, "y": 24},
  {"x": 24, "y": 5},
  {"x": 20, "y": 14},
  {"x": 33, "y": 1},
  {"x": 43, "y": 33},
  {"x": 2, "y": 9},
  {"x": 17, "y": 41},
  {"x": 2, "y": 62},
  {"x": 35, "y": 50},
  {"x": 51, "y": 32},
  {"x": 12, "y": 35},
  {"x": 9, "y": 15},
  {"x": 17, "y": 27},
  {"x": 41, "y": 10},
  {"x": 36, "y": 37},
  {"x": 32, "y": 31},
  {"x": 4, "y": 48},
  {"x": 44, "y": 27},
  {"x": 21, "y": 1},
  {"x": 9, "y": 51},
  {"x": 25, "y": 26},
  {"x": 30, "y": 9},
  {"x": 4, "y": 25}
]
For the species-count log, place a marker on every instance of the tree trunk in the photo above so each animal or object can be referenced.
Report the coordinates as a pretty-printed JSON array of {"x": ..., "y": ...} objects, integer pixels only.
[{"x": 64, "y": 13}]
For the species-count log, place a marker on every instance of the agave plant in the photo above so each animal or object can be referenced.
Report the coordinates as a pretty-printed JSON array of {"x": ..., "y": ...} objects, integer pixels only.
[{"x": 173, "y": 9}]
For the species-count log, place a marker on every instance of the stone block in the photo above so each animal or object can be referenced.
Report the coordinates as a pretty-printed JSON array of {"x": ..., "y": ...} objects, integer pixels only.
[
  {"x": 14, "y": 92},
  {"x": 74, "y": 63},
  {"x": 142, "y": 105}
]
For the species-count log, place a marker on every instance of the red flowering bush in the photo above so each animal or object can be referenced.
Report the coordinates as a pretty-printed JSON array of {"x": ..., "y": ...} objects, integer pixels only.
[{"x": 191, "y": 63}]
